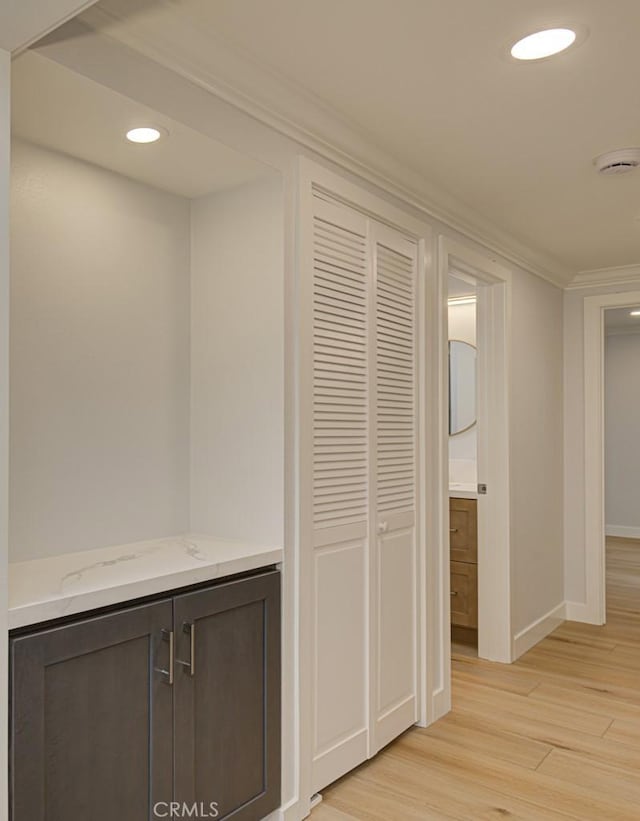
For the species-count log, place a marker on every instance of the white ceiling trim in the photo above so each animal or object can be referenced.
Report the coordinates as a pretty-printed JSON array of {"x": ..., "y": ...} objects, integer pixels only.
[
  {"x": 599, "y": 277},
  {"x": 24, "y": 22},
  {"x": 203, "y": 58}
]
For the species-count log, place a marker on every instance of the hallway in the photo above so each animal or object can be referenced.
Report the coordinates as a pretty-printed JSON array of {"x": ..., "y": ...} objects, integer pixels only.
[{"x": 555, "y": 735}]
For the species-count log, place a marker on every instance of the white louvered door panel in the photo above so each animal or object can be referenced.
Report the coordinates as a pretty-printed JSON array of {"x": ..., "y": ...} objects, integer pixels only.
[
  {"x": 394, "y": 474},
  {"x": 341, "y": 493}
]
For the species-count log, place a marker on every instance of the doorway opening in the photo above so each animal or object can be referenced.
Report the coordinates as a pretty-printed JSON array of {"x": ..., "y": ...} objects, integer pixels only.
[
  {"x": 608, "y": 383},
  {"x": 621, "y": 459},
  {"x": 463, "y": 463},
  {"x": 490, "y": 282}
]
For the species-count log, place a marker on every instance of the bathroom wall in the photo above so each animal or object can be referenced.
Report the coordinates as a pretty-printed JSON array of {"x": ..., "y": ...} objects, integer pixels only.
[
  {"x": 622, "y": 435},
  {"x": 99, "y": 357},
  {"x": 463, "y": 447}
]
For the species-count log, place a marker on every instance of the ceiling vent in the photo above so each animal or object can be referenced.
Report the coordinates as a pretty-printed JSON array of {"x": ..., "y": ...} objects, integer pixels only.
[{"x": 618, "y": 162}]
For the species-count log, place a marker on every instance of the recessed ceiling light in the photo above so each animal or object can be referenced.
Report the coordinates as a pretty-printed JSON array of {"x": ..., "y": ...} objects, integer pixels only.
[
  {"x": 144, "y": 135},
  {"x": 634, "y": 313},
  {"x": 543, "y": 44}
]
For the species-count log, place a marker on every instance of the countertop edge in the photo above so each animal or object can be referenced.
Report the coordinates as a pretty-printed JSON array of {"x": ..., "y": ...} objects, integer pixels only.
[{"x": 34, "y": 613}]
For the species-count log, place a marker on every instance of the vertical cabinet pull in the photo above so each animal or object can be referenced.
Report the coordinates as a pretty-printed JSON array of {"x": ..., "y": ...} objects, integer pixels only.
[
  {"x": 190, "y": 628},
  {"x": 167, "y": 635}
]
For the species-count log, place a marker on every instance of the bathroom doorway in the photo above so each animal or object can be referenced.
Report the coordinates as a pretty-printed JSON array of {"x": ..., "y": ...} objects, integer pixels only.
[
  {"x": 463, "y": 463},
  {"x": 476, "y": 541}
]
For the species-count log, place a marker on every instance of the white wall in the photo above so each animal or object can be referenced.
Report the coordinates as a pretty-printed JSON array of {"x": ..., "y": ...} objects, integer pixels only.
[
  {"x": 99, "y": 357},
  {"x": 237, "y": 419},
  {"x": 536, "y": 452},
  {"x": 622, "y": 434},
  {"x": 463, "y": 448}
]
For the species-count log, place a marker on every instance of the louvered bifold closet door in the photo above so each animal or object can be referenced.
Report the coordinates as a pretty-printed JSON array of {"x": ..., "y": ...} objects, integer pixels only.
[
  {"x": 340, "y": 504},
  {"x": 393, "y": 560}
]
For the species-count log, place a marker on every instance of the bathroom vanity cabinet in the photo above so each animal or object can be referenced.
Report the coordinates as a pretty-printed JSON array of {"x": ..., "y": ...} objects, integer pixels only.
[
  {"x": 463, "y": 531},
  {"x": 172, "y": 699}
]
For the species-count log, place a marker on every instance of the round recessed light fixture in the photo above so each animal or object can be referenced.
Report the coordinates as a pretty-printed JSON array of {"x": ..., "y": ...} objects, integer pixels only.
[
  {"x": 145, "y": 134},
  {"x": 542, "y": 44}
]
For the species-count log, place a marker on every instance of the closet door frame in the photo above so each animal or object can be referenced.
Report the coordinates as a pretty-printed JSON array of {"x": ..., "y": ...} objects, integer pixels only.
[{"x": 314, "y": 177}]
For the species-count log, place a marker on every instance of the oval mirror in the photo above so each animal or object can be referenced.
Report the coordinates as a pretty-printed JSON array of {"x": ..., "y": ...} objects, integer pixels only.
[{"x": 462, "y": 386}]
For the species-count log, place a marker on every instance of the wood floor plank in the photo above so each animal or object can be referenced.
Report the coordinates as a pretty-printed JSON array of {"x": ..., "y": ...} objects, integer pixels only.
[
  {"x": 594, "y": 777},
  {"x": 539, "y": 789},
  {"x": 481, "y": 734},
  {"x": 625, "y": 732},
  {"x": 527, "y": 708},
  {"x": 589, "y": 701},
  {"x": 554, "y": 736},
  {"x": 433, "y": 762}
]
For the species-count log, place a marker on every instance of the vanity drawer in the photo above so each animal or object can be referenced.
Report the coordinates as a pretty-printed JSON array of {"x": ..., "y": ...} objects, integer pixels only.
[
  {"x": 464, "y": 594},
  {"x": 463, "y": 530}
]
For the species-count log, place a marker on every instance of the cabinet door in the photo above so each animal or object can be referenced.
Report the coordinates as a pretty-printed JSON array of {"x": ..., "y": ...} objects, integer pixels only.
[
  {"x": 464, "y": 594},
  {"x": 91, "y": 718},
  {"x": 463, "y": 530},
  {"x": 227, "y": 697}
]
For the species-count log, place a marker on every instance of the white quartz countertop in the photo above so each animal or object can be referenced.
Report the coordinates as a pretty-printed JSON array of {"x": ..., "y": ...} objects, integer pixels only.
[
  {"x": 44, "y": 589},
  {"x": 463, "y": 490}
]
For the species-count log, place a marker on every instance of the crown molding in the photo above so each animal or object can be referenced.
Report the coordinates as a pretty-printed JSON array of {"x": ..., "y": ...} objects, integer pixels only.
[
  {"x": 211, "y": 62},
  {"x": 602, "y": 277},
  {"x": 21, "y": 24}
]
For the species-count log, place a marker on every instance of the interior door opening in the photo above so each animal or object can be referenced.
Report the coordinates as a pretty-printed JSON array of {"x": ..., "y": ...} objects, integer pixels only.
[
  {"x": 479, "y": 546},
  {"x": 621, "y": 456},
  {"x": 463, "y": 463}
]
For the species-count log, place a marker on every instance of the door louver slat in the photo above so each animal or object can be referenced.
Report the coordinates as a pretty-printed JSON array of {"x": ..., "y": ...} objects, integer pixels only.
[
  {"x": 395, "y": 377},
  {"x": 340, "y": 375}
]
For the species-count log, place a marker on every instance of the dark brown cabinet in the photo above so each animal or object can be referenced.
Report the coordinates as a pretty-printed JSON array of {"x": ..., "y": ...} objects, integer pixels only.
[{"x": 174, "y": 700}]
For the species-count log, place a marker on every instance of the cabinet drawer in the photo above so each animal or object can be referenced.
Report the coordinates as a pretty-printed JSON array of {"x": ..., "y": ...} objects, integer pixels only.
[
  {"x": 463, "y": 530},
  {"x": 464, "y": 594}
]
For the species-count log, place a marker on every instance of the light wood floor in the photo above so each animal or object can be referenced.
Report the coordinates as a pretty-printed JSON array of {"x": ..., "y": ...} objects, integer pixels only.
[{"x": 554, "y": 736}]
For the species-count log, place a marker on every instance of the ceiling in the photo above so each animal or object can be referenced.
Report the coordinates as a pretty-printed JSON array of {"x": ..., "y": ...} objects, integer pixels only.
[
  {"x": 61, "y": 110},
  {"x": 431, "y": 83},
  {"x": 620, "y": 319},
  {"x": 459, "y": 287}
]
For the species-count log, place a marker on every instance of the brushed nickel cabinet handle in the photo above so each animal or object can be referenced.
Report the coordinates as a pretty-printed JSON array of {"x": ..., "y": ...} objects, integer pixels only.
[
  {"x": 167, "y": 635},
  {"x": 190, "y": 628},
  {"x": 454, "y": 592},
  {"x": 453, "y": 530}
]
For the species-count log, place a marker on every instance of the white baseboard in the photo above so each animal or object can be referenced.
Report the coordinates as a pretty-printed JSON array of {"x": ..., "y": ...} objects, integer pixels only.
[
  {"x": 538, "y": 630},
  {"x": 579, "y": 611},
  {"x": 440, "y": 704},
  {"x": 622, "y": 532}
]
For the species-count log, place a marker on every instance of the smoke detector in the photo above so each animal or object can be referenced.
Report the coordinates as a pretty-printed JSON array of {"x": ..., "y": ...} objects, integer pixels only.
[{"x": 618, "y": 162}]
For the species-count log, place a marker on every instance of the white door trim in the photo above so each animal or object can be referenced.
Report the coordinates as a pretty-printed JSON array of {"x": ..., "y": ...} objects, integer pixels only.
[
  {"x": 594, "y": 308},
  {"x": 5, "y": 169},
  {"x": 494, "y": 565}
]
